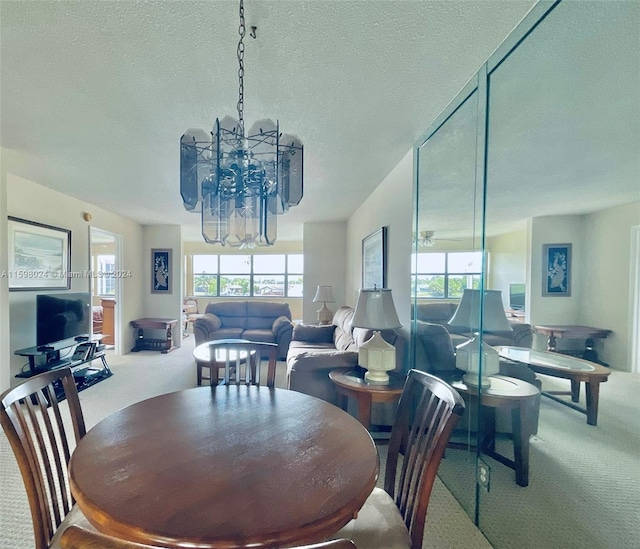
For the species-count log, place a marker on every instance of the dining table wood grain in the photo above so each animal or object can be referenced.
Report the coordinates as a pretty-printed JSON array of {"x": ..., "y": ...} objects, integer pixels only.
[{"x": 224, "y": 467}]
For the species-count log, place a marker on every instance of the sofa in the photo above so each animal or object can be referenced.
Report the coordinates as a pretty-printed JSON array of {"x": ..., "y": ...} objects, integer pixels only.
[
  {"x": 436, "y": 312},
  {"x": 316, "y": 350},
  {"x": 253, "y": 320}
]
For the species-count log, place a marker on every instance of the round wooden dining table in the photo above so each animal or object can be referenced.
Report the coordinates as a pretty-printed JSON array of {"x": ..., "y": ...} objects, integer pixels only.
[{"x": 224, "y": 467}]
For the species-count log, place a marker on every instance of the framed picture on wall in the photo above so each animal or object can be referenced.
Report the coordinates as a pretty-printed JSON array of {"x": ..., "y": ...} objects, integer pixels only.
[
  {"x": 556, "y": 270},
  {"x": 39, "y": 256},
  {"x": 374, "y": 259},
  {"x": 161, "y": 271}
]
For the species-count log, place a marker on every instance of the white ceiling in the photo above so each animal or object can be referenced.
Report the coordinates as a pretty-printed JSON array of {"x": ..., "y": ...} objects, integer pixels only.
[{"x": 95, "y": 95}]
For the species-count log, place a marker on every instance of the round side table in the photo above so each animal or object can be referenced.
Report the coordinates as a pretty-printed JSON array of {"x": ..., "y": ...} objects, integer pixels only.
[
  {"x": 350, "y": 383},
  {"x": 209, "y": 356}
]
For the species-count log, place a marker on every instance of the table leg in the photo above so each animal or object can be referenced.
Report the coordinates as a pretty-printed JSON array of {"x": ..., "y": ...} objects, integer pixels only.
[
  {"x": 364, "y": 410},
  {"x": 169, "y": 343},
  {"x": 592, "y": 390},
  {"x": 344, "y": 402},
  {"x": 551, "y": 342},
  {"x": 488, "y": 435},
  {"x": 521, "y": 418},
  {"x": 575, "y": 390},
  {"x": 199, "y": 372}
]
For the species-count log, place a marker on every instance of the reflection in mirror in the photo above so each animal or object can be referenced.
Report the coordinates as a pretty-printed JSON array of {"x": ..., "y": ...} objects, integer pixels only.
[
  {"x": 563, "y": 166},
  {"x": 447, "y": 260}
]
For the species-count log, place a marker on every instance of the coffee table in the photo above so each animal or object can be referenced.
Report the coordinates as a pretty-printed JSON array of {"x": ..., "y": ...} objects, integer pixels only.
[
  {"x": 208, "y": 355},
  {"x": 574, "y": 369},
  {"x": 350, "y": 383}
]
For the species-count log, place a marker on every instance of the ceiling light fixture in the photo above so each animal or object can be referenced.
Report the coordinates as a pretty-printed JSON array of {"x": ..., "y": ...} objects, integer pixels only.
[{"x": 240, "y": 183}]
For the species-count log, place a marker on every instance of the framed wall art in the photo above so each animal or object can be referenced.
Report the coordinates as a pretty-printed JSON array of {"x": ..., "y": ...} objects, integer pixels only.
[
  {"x": 374, "y": 259},
  {"x": 556, "y": 270},
  {"x": 39, "y": 256},
  {"x": 161, "y": 271}
]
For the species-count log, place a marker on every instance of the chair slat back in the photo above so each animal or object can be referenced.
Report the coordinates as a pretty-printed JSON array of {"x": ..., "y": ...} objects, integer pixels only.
[
  {"x": 242, "y": 361},
  {"x": 38, "y": 425},
  {"x": 427, "y": 412}
]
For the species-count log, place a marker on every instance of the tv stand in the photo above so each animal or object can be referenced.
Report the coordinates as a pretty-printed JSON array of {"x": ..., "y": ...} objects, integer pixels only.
[{"x": 85, "y": 376}]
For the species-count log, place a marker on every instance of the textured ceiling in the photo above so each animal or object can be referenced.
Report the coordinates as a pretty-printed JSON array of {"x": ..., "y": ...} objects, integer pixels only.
[
  {"x": 564, "y": 126},
  {"x": 96, "y": 94}
]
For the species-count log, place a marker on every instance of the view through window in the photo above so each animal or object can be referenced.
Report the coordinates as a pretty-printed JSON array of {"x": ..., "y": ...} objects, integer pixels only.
[
  {"x": 104, "y": 284},
  {"x": 247, "y": 275},
  {"x": 442, "y": 275}
]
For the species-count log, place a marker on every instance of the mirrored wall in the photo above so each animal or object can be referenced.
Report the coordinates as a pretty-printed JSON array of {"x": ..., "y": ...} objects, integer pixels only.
[{"x": 541, "y": 147}]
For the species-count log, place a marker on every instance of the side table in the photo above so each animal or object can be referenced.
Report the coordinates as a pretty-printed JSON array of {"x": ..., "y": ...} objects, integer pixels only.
[
  {"x": 146, "y": 344},
  {"x": 350, "y": 383},
  {"x": 522, "y": 399}
]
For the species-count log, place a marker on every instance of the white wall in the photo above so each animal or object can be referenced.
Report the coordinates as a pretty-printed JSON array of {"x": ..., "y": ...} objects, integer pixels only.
[
  {"x": 164, "y": 305},
  {"x": 507, "y": 261},
  {"x": 607, "y": 294},
  {"x": 29, "y": 200},
  {"x": 390, "y": 205},
  {"x": 5, "y": 352},
  {"x": 325, "y": 260}
]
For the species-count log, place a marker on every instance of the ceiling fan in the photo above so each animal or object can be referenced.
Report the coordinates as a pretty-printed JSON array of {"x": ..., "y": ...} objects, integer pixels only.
[{"x": 427, "y": 239}]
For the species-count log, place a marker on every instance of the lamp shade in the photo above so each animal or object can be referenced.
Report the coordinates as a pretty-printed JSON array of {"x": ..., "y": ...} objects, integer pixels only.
[
  {"x": 324, "y": 294},
  {"x": 375, "y": 311},
  {"x": 467, "y": 314}
]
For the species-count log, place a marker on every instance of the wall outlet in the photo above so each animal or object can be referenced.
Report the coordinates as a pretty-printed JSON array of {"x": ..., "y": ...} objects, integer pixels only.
[{"x": 483, "y": 475}]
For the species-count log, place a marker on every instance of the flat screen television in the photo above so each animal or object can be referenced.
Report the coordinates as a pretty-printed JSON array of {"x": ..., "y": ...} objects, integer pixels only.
[
  {"x": 516, "y": 296},
  {"x": 62, "y": 316}
]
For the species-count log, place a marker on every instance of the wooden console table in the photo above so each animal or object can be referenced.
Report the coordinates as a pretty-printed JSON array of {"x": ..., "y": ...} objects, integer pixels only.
[
  {"x": 570, "y": 331},
  {"x": 147, "y": 344}
]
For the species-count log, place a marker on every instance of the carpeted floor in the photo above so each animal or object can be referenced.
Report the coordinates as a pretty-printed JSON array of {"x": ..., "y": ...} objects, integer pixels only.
[
  {"x": 584, "y": 481},
  {"x": 138, "y": 376}
]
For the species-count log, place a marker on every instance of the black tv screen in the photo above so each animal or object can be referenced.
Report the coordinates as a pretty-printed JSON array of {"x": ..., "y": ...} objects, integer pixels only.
[
  {"x": 62, "y": 316},
  {"x": 516, "y": 296}
]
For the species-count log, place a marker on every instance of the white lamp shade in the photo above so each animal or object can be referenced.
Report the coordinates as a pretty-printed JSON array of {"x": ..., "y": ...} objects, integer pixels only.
[
  {"x": 324, "y": 294},
  {"x": 467, "y": 314},
  {"x": 375, "y": 311}
]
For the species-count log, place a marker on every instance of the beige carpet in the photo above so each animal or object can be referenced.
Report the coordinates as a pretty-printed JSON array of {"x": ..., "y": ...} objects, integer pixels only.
[
  {"x": 138, "y": 376},
  {"x": 584, "y": 481}
]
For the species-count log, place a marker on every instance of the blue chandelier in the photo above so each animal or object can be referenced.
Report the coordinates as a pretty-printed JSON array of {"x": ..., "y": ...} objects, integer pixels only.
[{"x": 240, "y": 183}]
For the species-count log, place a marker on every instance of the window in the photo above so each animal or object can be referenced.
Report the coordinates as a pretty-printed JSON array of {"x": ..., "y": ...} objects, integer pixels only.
[
  {"x": 445, "y": 275},
  {"x": 238, "y": 275},
  {"x": 104, "y": 284}
]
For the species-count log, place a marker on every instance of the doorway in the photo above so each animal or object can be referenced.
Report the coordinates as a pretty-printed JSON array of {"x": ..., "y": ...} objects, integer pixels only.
[{"x": 106, "y": 286}]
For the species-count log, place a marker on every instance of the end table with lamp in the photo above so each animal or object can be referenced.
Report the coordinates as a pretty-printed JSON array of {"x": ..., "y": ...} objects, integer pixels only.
[
  {"x": 375, "y": 311},
  {"x": 324, "y": 295},
  {"x": 493, "y": 319}
]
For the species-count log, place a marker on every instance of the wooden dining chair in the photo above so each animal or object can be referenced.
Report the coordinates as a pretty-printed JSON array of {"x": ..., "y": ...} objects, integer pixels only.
[
  {"x": 76, "y": 537},
  {"x": 394, "y": 518},
  {"x": 233, "y": 354},
  {"x": 38, "y": 425}
]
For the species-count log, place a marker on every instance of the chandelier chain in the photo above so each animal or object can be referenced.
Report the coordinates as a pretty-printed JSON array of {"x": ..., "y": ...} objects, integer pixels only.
[{"x": 241, "y": 32}]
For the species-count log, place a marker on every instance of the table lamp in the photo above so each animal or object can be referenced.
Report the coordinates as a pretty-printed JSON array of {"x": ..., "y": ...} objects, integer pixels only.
[
  {"x": 324, "y": 294},
  {"x": 375, "y": 311},
  {"x": 494, "y": 319}
]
